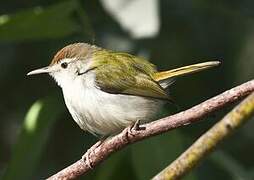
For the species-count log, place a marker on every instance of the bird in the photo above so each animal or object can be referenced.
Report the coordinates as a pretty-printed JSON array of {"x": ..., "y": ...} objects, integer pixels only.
[{"x": 106, "y": 91}]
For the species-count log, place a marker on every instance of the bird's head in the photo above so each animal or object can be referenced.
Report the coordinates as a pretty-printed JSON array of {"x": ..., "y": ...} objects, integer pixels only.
[{"x": 68, "y": 63}]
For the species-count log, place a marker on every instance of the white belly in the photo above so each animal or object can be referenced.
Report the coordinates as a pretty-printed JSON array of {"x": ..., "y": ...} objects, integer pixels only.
[{"x": 103, "y": 113}]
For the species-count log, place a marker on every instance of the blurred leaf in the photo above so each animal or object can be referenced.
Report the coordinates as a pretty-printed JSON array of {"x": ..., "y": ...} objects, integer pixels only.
[
  {"x": 251, "y": 173},
  {"x": 190, "y": 176},
  {"x": 235, "y": 170},
  {"x": 132, "y": 17},
  {"x": 118, "y": 165},
  {"x": 106, "y": 171},
  {"x": 33, "y": 136},
  {"x": 151, "y": 156},
  {"x": 40, "y": 23}
]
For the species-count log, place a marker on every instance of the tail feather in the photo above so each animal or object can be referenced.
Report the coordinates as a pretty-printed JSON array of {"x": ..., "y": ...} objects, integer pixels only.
[{"x": 164, "y": 75}]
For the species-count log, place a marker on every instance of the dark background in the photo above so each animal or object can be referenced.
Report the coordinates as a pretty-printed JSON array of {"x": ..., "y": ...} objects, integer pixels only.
[{"x": 37, "y": 134}]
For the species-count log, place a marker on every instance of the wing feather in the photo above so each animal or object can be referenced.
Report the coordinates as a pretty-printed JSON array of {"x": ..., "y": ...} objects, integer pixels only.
[{"x": 126, "y": 74}]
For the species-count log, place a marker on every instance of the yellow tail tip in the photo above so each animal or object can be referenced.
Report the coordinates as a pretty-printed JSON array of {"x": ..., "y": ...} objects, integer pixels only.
[{"x": 185, "y": 70}]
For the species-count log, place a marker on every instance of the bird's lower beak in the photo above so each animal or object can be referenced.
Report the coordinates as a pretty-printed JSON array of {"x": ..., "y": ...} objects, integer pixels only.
[{"x": 40, "y": 71}]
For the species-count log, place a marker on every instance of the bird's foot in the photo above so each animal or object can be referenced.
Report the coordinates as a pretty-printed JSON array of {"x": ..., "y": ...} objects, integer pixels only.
[
  {"x": 138, "y": 127},
  {"x": 135, "y": 127},
  {"x": 86, "y": 157}
]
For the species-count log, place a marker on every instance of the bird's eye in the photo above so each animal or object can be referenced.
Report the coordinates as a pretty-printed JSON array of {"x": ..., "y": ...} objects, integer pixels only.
[{"x": 64, "y": 65}]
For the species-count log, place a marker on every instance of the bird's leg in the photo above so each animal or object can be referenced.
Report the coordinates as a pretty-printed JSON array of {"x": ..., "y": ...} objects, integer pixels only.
[
  {"x": 135, "y": 127},
  {"x": 86, "y": 157}
]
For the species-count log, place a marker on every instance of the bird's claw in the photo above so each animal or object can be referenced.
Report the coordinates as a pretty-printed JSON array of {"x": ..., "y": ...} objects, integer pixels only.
[
  {"x": 86, "y": 157},
  {"x": 87, "y": 160},
  {"x": 135, "y": 127}
]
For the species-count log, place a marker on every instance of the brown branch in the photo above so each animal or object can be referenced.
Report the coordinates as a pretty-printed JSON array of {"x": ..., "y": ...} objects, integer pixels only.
[
  {"x": 123, "y": 139},
  {"x": 208, "y": 141}
]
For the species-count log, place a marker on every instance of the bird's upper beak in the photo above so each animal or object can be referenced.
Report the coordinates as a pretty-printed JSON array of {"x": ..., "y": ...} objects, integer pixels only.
[{"x": 47, "y": 69}]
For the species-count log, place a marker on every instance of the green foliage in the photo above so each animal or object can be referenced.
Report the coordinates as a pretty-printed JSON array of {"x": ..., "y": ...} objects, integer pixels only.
[
  {"x": 151, "y": 156},
  {"x": 230, "y": 165},
  {"x": 33, "y": 136},
  {"x": 40, "y": 23},
  {"x": 116, "y": 166}
]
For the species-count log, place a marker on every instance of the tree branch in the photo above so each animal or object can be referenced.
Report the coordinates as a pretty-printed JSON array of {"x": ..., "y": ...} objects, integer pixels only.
[
  {"x": 208, "y": 141},
  {"x": 123, "y": 139}
]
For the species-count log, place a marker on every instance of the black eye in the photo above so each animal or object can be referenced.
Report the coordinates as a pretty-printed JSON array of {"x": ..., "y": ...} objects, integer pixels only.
[{"x": 64, "y": 65}]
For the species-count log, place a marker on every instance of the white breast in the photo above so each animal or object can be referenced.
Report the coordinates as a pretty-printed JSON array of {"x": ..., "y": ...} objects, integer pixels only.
[{"x": 103, "y": 113}]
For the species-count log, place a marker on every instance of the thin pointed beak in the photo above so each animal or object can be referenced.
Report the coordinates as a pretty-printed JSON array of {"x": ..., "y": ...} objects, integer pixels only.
[{"x": 40, "y": 71}]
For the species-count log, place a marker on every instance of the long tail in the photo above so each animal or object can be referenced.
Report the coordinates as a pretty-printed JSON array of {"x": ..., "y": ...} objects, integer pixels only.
[{"x": 160, "y": 76}]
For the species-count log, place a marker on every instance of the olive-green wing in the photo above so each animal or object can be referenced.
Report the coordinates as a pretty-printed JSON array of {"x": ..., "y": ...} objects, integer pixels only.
[{"x": 126, "y": 74}]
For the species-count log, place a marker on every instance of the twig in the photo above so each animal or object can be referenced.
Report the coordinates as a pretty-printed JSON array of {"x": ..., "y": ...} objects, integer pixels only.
[
  {"x": 208, "y": 141},
  {"x": 123, "y": 139}
]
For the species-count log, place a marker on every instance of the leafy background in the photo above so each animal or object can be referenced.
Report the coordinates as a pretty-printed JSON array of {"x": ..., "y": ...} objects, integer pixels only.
[{"x": 38, "y": 136}]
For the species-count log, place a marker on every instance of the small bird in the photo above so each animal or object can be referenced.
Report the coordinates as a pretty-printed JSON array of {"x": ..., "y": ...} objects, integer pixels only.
[{"x": 107, "y": 91}]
